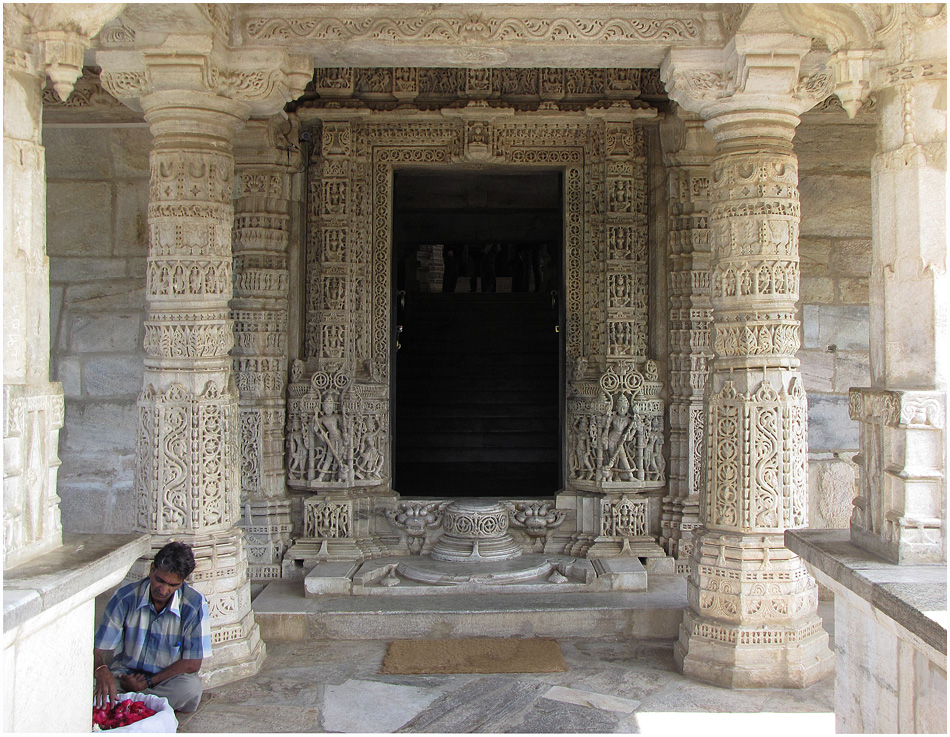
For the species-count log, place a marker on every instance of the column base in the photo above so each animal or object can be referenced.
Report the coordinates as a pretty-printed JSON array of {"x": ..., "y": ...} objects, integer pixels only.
[
  {"x": 752, "y": 619},
  {"x": 240, "y": 657},
  {"x": 753, "y": 656}
]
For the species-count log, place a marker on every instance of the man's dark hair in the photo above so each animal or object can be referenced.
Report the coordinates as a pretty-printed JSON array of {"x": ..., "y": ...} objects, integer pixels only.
[{"x": 176, "y": 558}]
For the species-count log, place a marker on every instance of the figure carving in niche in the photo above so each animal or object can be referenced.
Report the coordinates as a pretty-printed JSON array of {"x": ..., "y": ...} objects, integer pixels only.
[
  {"x": 297, "y": 450},
  {"x": 329, "y": 453},
  {"x": 367, "y": 461},
  {"x": 621, "y": 429},
  {"x": 616, "y": 430}
]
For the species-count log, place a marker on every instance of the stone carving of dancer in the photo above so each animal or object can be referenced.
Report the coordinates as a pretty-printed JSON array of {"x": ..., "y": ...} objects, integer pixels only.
[
  {"x": 328, "y": 426},
  {"x": 620, "y": 429}
]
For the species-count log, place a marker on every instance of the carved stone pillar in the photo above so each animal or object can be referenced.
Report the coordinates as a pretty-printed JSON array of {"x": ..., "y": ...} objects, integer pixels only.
[
  {"x": 900, "y": 510},
  {"x": 266, "y": 159},
  {"x": 751, "y": 620},
  {"x": 196, "y": 94},
  {"x": 188, "y": 453},
  {"x": 688, "y": 151},
  {"x": 38, "y": 40}
]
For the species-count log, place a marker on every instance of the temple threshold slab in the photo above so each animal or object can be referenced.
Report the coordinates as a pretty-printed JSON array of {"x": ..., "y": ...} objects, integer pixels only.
[
  {"x": 285, "y": 614},
  {"x": 424, "y": 576}
]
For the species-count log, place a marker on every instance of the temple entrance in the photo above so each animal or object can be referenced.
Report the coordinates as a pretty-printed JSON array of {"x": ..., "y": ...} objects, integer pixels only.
[{"x": 476, "y": 385}]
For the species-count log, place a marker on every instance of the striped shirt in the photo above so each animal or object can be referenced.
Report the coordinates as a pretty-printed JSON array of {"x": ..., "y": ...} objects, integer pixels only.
[{"x": 150, "y": 641}]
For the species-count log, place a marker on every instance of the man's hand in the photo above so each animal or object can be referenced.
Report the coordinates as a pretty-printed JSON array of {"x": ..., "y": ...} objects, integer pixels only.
[
  {"x": 106, "y": 691},
  {"x": 133, "y": 682}
]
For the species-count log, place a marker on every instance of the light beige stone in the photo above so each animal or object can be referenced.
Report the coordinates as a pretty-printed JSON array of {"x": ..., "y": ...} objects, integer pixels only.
[
  {"x": 129, "y": 149},
  {"x": 818, "y": 370},
  {"x": 80, "y": 218},
  {"x": 817, "y": 290},
  {"x": 815, "y": 256},
  {"x": 131, "y": 222},
  {"x": 851, "y": 257},
  {"x": 837, "y": 486},
  {"x": 835, "y": 205},
  {"x": 853, "y": 290}
]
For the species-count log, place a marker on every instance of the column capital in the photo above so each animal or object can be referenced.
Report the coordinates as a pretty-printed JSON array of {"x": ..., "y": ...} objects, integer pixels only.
[
  {"x": 757, "y": 80},
  {"x": 875, "y": 46},
  {"x": 49, "y": 38},
  {"x": 263, "y": 80}
]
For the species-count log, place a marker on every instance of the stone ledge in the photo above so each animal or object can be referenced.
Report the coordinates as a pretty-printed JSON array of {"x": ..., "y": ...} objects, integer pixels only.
[
  {"x": 914, "y": 596},
  {"x": 83, "y": 561}
]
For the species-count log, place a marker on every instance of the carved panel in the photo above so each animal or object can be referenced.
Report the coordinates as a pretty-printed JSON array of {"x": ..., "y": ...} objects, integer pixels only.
[
  {"x": 615, "y": 439},
  {"x": 756, "y": 458},
  {"x": 348, "y": 288}
]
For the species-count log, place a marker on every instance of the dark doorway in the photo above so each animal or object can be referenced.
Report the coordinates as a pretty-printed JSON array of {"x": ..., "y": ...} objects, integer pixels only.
[{"x": 477, "y": 262}]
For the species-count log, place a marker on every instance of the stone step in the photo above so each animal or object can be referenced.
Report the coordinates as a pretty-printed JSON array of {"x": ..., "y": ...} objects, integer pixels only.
[{"x": 285, "y": 614}]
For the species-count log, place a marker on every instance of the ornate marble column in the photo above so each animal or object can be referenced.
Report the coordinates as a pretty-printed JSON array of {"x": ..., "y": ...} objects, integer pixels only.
[
  {"x": 751, "y": 620},
  {"x": 688, "y": 151},
  {"x": 38, "y": 40},
  {"x": 195, "y": 98},
  {"x": 267, "y": 157}
]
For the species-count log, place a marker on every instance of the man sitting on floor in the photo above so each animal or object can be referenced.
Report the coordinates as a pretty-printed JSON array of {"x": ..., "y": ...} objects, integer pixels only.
[{"x": 160, "y": 632}]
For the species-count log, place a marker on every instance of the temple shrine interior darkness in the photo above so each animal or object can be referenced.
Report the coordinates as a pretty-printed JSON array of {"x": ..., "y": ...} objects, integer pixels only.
[{"x": 477, "y": 262}]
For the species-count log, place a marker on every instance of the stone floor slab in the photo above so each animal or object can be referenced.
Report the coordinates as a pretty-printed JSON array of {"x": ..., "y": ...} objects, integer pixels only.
[{"x": 373, "y": 706}]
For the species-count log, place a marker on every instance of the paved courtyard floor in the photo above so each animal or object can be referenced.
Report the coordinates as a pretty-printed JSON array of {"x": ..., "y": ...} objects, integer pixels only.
[{"x": 609, "y": 687}]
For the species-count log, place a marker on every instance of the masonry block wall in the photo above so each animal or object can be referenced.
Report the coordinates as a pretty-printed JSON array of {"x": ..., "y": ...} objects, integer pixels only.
[
  {"x": 97, "y": 195},
  {"x": 834, "y": 156},
  {"x": 97, "y": 199}
]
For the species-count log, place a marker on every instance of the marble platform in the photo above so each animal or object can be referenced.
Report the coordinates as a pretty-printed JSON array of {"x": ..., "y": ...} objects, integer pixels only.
[
  {"x": 425, "y": 576},
  {"x": 611, "y": 686},
  {"x": 284, "y": 613}
]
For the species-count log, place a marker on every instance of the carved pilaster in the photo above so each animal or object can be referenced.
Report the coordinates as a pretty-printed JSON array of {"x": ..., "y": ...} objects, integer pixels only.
[
  {"x": 689, "y": 151},
  {"x": 32, "y": 405},
  {"x": 742, "y": 580},
  {"x": 266, "y": 158},
  {"x": 909, "y": 285},
  {"x": 899, "y": 52}
]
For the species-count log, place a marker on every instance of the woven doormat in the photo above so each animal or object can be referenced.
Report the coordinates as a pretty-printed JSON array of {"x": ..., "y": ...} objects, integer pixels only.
[{"x": 474, "y": 655}]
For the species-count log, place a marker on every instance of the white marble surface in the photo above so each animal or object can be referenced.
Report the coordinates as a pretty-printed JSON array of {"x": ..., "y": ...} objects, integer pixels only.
[{"x": 611, "y": 686}]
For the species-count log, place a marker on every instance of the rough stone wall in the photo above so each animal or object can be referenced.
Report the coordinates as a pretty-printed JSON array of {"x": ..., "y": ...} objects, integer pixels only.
[
  {"x": 834, "y": 157},
  {"x": 97, "y": 196}
]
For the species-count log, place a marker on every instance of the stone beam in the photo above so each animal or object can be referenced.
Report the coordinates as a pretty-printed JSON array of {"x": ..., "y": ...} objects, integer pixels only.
[
  {"x": 752, "y": 617},
  {"x": 483, "y": 35}
]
